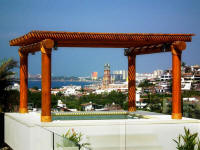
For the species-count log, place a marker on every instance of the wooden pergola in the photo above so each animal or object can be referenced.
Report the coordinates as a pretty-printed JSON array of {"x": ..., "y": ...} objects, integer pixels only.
[{"x": 134, "y": 44}]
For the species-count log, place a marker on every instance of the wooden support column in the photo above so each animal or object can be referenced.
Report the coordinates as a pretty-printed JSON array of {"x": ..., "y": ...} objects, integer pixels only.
[
  {"x": 176, "y": 49},
  {"x": 46, "y": 81},
  {"x": 23, "y": 82},
  {"x": 131, "y": 83}
]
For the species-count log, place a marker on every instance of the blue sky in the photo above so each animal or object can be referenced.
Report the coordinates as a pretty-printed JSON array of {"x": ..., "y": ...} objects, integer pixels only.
[{"x": 17, "y": 17}]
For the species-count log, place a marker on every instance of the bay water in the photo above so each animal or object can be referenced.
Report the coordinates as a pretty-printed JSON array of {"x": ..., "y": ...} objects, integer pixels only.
[{"x": 57, "y": 84}]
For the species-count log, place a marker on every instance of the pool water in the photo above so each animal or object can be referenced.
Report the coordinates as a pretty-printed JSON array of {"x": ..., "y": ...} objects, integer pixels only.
[{"x": 94, "y": 116}]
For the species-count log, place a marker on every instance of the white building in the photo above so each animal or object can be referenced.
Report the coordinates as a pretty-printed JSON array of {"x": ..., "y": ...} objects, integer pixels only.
[
  {"x": 163, "y": 87},
  {"x": 186, "y": 84},
  {"x": 166, "y": 77},
  {"x": 99, "y": 91},
  {"x": 72, "y": 86},
  {"x": 143, "y": 76},
  {"x": 195, "y": 68},
  {"x": 157, "y": 73},
  {"x": 60, "y": 104},
  {"x": 120, "y": 74},
  {"x": 15, "y": 86},
  {"x": 139, "y": 103},
  {"x": 190, "y": 99},
  {"x": 71, "y": 90},
  {"x": 88, "y": 106}
]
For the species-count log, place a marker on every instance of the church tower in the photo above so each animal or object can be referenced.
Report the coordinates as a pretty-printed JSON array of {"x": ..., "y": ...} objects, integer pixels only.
[{"x": 106, "y": 77}]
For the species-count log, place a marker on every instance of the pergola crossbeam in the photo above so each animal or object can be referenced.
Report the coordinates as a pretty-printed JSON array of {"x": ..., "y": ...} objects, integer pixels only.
[
  {"x": 147, "y": 49},
  {"x": 32, "y": 48}
]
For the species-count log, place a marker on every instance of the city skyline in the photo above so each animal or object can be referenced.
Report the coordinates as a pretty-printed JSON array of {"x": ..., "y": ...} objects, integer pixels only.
[
  {"x": 100, "y": 75},
  {"x": 20, "y": 17}
]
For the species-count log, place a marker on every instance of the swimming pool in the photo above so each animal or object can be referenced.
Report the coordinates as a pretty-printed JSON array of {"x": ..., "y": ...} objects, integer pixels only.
[{"x": 95, "y": 115}]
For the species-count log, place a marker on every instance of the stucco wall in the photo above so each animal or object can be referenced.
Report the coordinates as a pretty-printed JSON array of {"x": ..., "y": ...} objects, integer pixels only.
[
  {"x": 22, "y": 136},
  {"x": 26, "y": 132}
]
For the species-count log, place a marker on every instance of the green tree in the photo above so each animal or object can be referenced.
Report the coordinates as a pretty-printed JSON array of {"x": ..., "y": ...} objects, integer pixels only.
[
  {"x": 6, "y": 79},
  {"x": 197, "y": 110},
  {"x": 6, "y": 73},
  {"x": 35, "y": 87},
  {"x": 116, "y": 97},
  {"x": 183, "y": 64},
  {"x": 145, "y": 83},
  {"x": 190, "y": 93},
  {"x": 99, "y": 99},
  {"x": 54, "y": 100},
  {"x": 154, "y": 103},
  {"x": 35, "y": 98},
  {"x": 60, "y": 94},
  {"x": 166, "y": 107},
  {"x": 191, "y": 110}
]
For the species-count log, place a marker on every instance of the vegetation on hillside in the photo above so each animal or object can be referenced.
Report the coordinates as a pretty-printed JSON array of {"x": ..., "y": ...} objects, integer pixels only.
[
  {"x": 160, "y": 103},
  {"x": 9, "y": 99},
  {"x": 75, "y": 102},
  {"x": 99, "y": 99},
  {"x": 145, "y": 83}
]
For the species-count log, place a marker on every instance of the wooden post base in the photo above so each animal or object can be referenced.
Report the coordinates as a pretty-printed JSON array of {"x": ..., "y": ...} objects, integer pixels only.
[
  {"x": 176, "y": 115},
  {"x": 46, "y": 119},
  {"x": 132, "y": 109},
  {"x": 23, "y": 110}
]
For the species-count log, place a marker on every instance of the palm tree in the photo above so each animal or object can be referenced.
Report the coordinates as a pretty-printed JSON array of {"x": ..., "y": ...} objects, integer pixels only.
[
  {"x": 183, "y": 64},
  {"x": 6, "y": 79}
]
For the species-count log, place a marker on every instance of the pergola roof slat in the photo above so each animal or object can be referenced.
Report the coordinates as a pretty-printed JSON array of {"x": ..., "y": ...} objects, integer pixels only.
[{"x": 148, "y": 38}]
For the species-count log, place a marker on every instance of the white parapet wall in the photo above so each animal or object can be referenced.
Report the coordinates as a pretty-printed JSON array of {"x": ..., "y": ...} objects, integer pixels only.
[
  {"x": 144, "y": 134},
  {"x": 26, "y": 132},
  {"x": 20, "y": 134}
]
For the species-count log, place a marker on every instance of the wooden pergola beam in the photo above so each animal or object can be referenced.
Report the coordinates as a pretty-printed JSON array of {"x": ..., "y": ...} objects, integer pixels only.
[
  {"x": 147, "y": 49},
  {"x": 111, "y": 38},
  {"x": 47, "y": 43},
  {"x": 96, "y": 45}
]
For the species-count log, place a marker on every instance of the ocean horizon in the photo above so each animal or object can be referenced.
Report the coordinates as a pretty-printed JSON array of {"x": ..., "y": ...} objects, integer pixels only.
[{"x": 58, "y": 84}]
